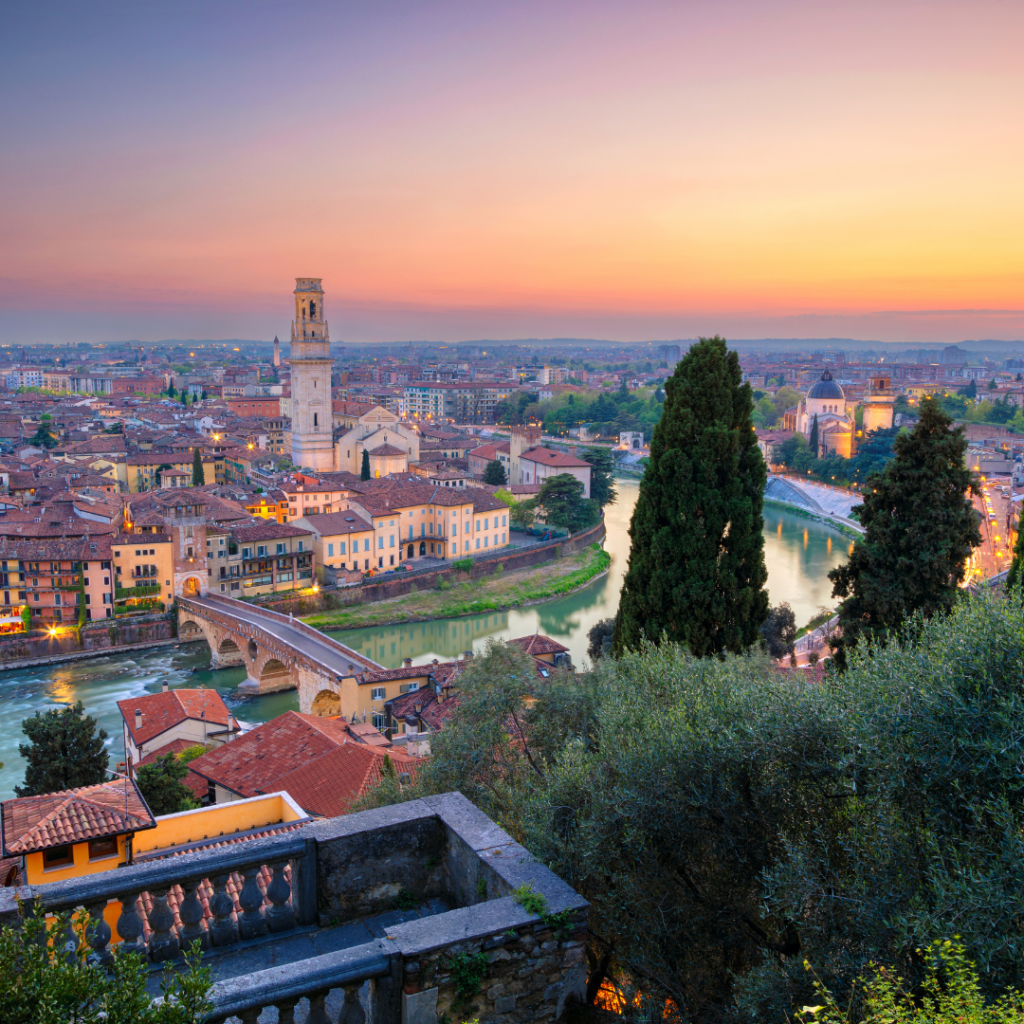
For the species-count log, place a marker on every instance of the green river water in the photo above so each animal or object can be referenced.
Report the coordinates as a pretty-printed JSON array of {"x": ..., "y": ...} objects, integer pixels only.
[{"x": 799, "y": 552}]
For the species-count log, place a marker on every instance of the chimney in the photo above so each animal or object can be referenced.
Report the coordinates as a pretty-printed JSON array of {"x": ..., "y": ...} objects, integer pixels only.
[
  {"x": 434, "y": 662},
  {"x": 165, "y": 687},
  {"x": 407, "y": 662},
  {"x": 138, "y": 719},
  {"x": 467, "y": 655}
]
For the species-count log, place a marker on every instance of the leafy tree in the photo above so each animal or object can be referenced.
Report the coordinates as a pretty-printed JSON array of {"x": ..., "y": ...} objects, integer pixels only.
[
  {"x": 728, "y": 823},
  {"x": 26, "y": 617},
  {"x": 970, "y": 391},
  {"x": 167, "y": 465},
  {"x": 65, "y": 751},
  {"x": 1015, "y": 577},
  {"x": 950, "y": 993},
  {"x": 364, "y": 471},
  {"x": 115, "y": 428},
  {"x": 696, "y": 569},
  {"x": 992, "y": 385},
  {"x": 44, "y": 437},
  {"x": 600, "y": 636},
  {"x": 494, "y": 473},
  {"x": 198, "y": 473},
  {"x": 812, "y": 440},
  {"x": 920, "y": 530},
  {"x": 161, "y": 785},
  {"x": 602, "y": 483},
  {"x": 562, "y": 499},
  {"x": 56, "y": 985},
  {"x": 779, "y": 631}
]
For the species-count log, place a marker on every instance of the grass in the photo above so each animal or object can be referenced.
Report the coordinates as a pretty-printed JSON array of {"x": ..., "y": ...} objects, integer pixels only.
[{"x": 497, "y": 592}]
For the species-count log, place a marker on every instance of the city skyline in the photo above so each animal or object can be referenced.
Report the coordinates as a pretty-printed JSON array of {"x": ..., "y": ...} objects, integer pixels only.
[{"x": 456, "y": 173}]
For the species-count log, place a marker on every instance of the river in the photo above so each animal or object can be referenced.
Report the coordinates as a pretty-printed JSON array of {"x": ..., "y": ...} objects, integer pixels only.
[{"x": 799, "y": 552}]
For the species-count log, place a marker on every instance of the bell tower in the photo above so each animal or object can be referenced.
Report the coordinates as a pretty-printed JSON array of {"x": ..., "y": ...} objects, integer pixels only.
[{"x": 310, "y": 362}]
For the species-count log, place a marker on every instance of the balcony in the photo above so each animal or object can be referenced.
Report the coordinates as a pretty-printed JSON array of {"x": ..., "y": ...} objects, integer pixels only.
[
  {"x": 139, "y": 590},
  {"x": 362, "y": 914}
]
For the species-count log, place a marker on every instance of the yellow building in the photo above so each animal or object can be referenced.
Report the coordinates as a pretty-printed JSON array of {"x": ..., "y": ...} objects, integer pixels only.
[
  {"x": 143, "y": 571},
  {"x": 341, "y": 540},
  {"x": 85, "y": 831},
  {"x": 143, "y": 471}
]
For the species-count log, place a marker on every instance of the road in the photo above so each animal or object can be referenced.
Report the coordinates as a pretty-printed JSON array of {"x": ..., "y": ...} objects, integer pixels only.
[
  {"x": 333, "y": 655},
  {"x": 996, "y": 550}
]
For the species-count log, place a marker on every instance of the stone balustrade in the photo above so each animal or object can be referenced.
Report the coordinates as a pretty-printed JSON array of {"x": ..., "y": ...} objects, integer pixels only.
[{"x": 349, "y": 872}]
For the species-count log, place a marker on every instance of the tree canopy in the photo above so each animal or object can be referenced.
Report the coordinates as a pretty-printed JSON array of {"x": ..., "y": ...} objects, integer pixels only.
[
  {"x": 728, "y": 822},
  {"x": 494, "y": 473},
  {"x": 602, "y": 483},
  {"x": 161, "y": 785},
  {"x": 65, "y": 750},
  {"x": 920, "y": 530},
  {"x": 696, "y": 570},
  {"x": 561, "y": 498},
  {"x": 364, "y": 469}
]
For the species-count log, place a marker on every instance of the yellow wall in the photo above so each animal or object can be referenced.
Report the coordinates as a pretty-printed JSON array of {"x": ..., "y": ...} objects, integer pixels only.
[
  {"x": 35, "y": 874},
  {"x": 217, "y": 820},
  {"x": 125, "y": 560}
]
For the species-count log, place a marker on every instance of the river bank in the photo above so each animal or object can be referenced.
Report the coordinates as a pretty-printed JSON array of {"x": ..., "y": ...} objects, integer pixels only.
[{"x": 500, "y": 591}]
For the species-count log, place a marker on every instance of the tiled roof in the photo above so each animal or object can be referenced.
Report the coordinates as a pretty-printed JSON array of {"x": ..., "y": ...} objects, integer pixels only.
[
  {"x": 384, "y": 450},
  {"x": 255, "y": 762},
  {"x": 266, "y": 529},
  {"x": 331, "y": 783},
  {"x": 330, "y": 524},
  {"x": 162, "y": 711},
  {"x": 539, "y": 644},
  {"x": 548, "y": 457},
  {"x": 72, "y": 816}
]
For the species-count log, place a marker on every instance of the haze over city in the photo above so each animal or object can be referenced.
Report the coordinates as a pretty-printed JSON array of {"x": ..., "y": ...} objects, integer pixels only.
[{"x": 457, "y": 171}]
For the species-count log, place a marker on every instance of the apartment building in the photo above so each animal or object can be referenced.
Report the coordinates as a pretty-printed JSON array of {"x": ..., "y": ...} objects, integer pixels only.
[
  {"x": 457, "y": 402},
  {"x": 259, "y": 558}
]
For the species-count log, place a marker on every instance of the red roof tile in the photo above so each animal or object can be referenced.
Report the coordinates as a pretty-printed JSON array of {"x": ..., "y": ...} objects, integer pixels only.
[
  {"x": 72, "y": 816},
  {"x": 162, "y": 711}
]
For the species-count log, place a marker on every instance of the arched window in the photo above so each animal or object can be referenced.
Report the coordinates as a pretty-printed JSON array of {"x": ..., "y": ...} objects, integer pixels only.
[
  {"x": 316, "y": 420},
  {"x": 312, "y": 311}
]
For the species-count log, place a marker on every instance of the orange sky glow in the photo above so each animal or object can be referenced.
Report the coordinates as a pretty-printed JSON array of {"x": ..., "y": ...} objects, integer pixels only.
[{"x": 452, "y": 171}]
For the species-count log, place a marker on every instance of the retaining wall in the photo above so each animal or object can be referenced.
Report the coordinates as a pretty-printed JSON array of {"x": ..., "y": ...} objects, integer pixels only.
[
  {"x": 398, "y": 585},
  {"x": 96, "y": 636}
]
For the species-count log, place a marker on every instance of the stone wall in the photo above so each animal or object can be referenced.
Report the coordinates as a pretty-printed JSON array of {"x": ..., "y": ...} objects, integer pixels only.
[
  {"x": 397, "y": 585},
  {"x": 96, "y": 636},
  {"x": 530, "y": 974}
]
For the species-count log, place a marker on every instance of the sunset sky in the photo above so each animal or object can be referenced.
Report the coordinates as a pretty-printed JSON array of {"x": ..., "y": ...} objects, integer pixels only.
[{"x": 453, "y": 171}]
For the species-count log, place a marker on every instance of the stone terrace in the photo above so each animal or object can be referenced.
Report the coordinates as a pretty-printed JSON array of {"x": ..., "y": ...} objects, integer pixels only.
[{"x": 372, "y": 916}]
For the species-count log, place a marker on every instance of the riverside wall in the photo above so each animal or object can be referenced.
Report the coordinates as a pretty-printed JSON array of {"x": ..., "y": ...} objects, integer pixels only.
[
  {"x": 97, "y": 638},
  {"x": 397, "y": 585}
]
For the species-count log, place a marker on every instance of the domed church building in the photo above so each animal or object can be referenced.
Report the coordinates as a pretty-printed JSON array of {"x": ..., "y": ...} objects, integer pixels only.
[{"x": 837, "y": 430}]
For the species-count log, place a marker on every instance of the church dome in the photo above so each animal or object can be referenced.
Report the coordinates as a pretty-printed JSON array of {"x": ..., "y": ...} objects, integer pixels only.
[{"x": 826, "y": 388}]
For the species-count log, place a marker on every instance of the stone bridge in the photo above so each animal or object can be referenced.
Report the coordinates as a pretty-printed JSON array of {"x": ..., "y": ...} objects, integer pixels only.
[
  {"x": 789, "y": 493},
  {"x": 278, "y": 652}
]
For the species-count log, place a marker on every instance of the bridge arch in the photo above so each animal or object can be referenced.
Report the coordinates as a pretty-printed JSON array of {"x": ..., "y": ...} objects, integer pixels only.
[
  {"x": 275, "y": 675},
  {"x": 326, "y": 703}
]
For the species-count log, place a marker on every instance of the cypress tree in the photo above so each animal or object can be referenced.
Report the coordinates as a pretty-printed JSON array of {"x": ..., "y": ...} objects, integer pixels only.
[
  {"x": 920, "y": 528},
  {"x": 696, "y": 566},
  {"x": 364, "y": 472},
  {"x": 812, "y": 441},
  {"x": 64, "y": 751},
  {"x": 198, "y": 474}
]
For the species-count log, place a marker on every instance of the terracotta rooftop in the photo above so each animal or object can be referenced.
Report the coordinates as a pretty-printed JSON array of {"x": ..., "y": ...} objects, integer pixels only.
[
  {"x": 549, "y": 457},
  {"x": 255, "y": 762},
  {"x": 162, "y": 711},
  {"x": 331, "y": 783},
  {"x": 539, "y": 644},
  {"x": 384, "y": 450},
  {"x": 73, "y": 816}
]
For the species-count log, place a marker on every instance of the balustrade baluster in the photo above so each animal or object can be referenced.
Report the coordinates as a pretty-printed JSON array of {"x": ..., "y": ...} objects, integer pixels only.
[
  {"x": 69, "y": 945},
  {"x": 250, "y": 1016},
  {"x": 98, "y": 934},
  {"x": 280, "y": 916},
  {"x": 163, "y": 944},
  {"x": 352, "y": 1011},
  {"x": 130, "y": 925},
  {"x": 191, "y": 914},
  {"x": 252, "y": 923},
  {"x": 286, "y": 1011},
  {"x": 317, "y": 1010},
  {"x": 224, "y": 930}
]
